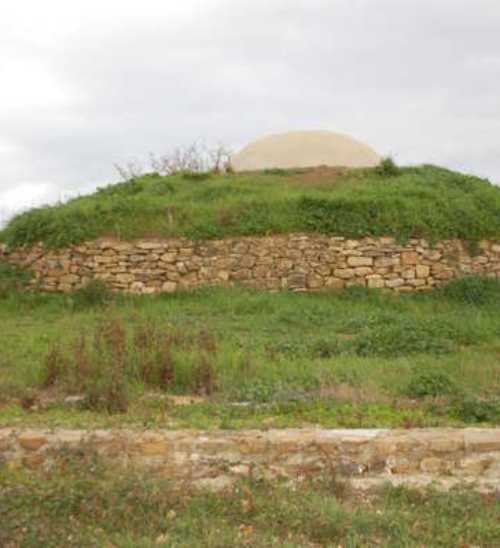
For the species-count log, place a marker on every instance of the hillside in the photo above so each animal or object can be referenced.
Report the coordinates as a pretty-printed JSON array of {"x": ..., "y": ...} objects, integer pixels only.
[{"x": 425, "y": 201}]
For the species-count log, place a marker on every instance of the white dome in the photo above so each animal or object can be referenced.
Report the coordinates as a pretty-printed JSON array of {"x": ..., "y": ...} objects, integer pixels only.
[{"x": 299, "y": 149}]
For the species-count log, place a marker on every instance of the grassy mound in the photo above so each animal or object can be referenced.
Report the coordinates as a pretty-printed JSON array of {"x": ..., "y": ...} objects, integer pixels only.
[{"x": 425, "y": 201}]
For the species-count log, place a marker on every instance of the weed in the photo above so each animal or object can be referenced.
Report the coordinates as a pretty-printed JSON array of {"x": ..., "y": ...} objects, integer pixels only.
[
  {"x": 53, "y": 366},
  {"x": 205, "y": 377},
  {"x": 93, "y": 294},
  {"x": 406, "y": 337},
  {"x": 472, "y": 409},
  {"x": 14, "y": 279},
  {"x": 276, "y": 171},
  {"x": 429, "y": 383},
  {"x": 475, "y": 290},
  {"x": 328, "y": 348},
  {"x": 196, "y": 175}
]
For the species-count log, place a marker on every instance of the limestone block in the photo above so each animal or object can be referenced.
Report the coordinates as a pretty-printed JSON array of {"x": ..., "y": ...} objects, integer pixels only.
[
  {"x": 335, "y": 283},
  {"x": 297, "y": 281},
  {"x": 409, "y": 257},
  {"x": 314, "y": 281},
  {"x": 362, "y": 271},
  {"x": 32, "y": 440},
  {"x": 247, "y": 261},
  {"x": 398, "y": 282},
  {"x": 344, "y": 273},
  {"x": 169, "y": 287},
  {"x": 359, "y": 261},
  {"x": 169, "y": 257},
  {"x": 423, "y": 271},
  {"x": 375, "y": 281}
]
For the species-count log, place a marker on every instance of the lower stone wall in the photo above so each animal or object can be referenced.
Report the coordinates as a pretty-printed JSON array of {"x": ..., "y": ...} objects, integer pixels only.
[
  {"x": 298, "y": 261},
  {"x": 218, "y": 458}
]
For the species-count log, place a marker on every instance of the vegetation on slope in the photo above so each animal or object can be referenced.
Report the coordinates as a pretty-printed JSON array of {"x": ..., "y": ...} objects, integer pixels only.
[
  {"x": 84, "y": 503},
  {"x": 425, "y": 201},
  {"x": 356, "y": 358}
]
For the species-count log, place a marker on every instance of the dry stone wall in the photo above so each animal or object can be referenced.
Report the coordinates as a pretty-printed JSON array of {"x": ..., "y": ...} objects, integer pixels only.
[
  {"x": 219, "y": 458},
  {"x": 298, "y": 262}
]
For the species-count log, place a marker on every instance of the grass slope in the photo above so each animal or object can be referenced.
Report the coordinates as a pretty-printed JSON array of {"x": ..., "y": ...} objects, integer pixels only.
[{"x": 425, "y": 201}]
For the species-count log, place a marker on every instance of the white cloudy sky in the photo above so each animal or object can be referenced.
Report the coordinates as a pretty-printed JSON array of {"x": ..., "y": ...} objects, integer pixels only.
[{"x": 88, "y": 83}]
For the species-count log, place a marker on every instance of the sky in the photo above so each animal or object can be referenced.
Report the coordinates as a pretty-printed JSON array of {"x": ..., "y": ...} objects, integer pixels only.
[{"x": 86, "y": 84}]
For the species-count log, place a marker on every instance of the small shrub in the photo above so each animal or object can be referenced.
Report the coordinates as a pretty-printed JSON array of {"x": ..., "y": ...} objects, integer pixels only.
[
  {"x": 130, "y": 187},
  {"x": 165, "y": 365},
  {"x": 205, "y": 377},
  {"x": 276, "y": 171},
  {"x": 475, "y": 290},
  {"x": 328, "y": 348},
  {"x": 258, "y": 390},
  {"x": 13, "y": 279},
  {"x": 406, "y": 337},
  {"x": 429, "y": 383},
  {"x": 94, "y": 294},
  {"x": 196, "y": 175},
  {"x": 289, "y": 348},
  {"x": 52, "y": 367},
  {"x": 387, "y": 167},
  {"x": 471, "y": 409}
]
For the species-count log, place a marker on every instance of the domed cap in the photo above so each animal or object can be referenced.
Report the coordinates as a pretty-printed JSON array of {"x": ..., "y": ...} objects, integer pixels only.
[{"x": 299, "y": 149}]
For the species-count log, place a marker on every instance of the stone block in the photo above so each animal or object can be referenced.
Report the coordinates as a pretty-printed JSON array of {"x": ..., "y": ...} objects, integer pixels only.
[
  {"x": 32, "y": 440},
  {"x": 375, "y": 281},
  {"x": 332, "y": 282},
  {"x": 397, "y": 282},
  {"x": 482, "y": 440},
  {"x": 344, "y": 273},
  {"x": 360, "y": 261},
  {"x": 362, "y": 271},
  {"x": 314, "y": 281},
  {"x": 409, "y": 258},
  {"x": 297, "y": 281},
  {"x": 169, "y": 257},
  {"x": 169, "y": 287},
  {"x": 423, "y": 271},
  {"x": 247, "y": 261}
]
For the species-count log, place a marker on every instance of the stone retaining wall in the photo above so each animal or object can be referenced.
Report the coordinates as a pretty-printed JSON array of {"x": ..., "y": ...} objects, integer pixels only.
[
  {"x": 298, "y": 261},
  {"x": 219, "y": 458}
]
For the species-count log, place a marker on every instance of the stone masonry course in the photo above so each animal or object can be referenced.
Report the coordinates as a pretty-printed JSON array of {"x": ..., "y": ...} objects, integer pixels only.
[
  {"x": 217, "y": 459},
  {"x": 299, "y": 262}
]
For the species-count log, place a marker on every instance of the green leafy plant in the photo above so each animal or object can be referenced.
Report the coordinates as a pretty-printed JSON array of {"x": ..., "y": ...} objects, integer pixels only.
[
  {"x": 13, "y": 279},
  {"x": 475, "y": 290},
  {"x": 93, "y": 294},
  {"x": 196, "y": 175},
  {"x": 470, "y": 408},
  {"x": 387, "y": 167},
  {"x": 429, "y": 383},
  {"x": 406, "y": 336}
]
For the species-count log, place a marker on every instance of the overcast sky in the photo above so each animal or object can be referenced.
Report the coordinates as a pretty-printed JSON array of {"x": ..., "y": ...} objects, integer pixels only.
[{"x": 85, "y": 84}]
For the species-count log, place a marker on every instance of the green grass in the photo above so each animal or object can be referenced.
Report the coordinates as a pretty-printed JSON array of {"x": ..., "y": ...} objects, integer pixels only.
[
  {"x": 87, "y": 504},
  {"x": 425, "y": 201},
  {"x": 355, "y": 358}
]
